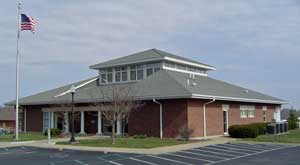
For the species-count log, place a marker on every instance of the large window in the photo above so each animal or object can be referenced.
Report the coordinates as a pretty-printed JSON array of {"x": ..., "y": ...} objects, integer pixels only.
[{"x": 247, "y": 111}]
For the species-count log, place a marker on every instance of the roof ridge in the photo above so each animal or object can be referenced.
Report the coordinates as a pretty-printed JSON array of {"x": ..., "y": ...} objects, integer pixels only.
[{"x": 157, "y": 52}]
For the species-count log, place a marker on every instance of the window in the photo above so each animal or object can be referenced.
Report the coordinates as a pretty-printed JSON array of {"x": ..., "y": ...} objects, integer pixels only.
[
  {"x": 120, "y": 74},
  {"x": 117, "y": 74},
  {"x": 264, "y": 110},
  {"x": 243, "y": 113},
  {"x": 156, "y": 70},
  {"x": 170, "y": 65},
  {"x": 251, "y": 113},
  {"x": 247, "y": 111},
  {"x": 103, "y": 78},
  {"x": 149, "y": 71},
  {"x": 109, "y": 75},
  {"x": 140, "y": 72},
  {"x": 124, "y": 73},
  {"x": 133, "y": 72}
]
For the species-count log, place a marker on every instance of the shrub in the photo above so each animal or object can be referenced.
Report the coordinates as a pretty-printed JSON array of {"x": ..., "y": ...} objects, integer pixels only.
[
  {"x": 292, "y": 120},
  {"x": 139, "y": 136},
  {"x": 262, "y": 127},
  {"x": 185, "y": 133},
  {"x": 54, "y": 132},
  {"x": 247, "y": 131}
]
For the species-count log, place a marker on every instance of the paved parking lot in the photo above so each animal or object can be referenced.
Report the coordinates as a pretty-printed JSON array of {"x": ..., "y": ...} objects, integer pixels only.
[{"x": 213, "y": 154}]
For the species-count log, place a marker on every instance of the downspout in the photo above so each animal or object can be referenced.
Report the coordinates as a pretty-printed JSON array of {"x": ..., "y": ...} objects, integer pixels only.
[
  {"x": 160, "y": 118},
  {"x": 204, "y": 115}
]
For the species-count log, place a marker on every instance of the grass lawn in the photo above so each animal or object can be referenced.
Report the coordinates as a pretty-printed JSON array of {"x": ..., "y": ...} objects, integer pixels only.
[
  {"x": 127, "y": 143},
  {"x": 292, "y": 136},
  {"x": 23, "y": 137}
]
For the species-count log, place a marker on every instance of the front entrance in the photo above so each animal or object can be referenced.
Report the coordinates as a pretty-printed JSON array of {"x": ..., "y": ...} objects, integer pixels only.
[{"x": 225, "y": 118}]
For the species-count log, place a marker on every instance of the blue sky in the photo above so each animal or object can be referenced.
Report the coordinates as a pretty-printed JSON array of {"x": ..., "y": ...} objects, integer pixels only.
[{"x": 254, "y": 44}]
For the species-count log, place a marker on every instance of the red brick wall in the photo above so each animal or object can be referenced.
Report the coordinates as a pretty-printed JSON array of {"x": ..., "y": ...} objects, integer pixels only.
[
  {"x": 177, "y": 113},
  {"x": 195, "y": 116},
  {"x": 214, "y": 116},
  {"x": 34, "y": 122},
  {"x": 145, "y": 120},
  {"x": 9, "y": 124}
]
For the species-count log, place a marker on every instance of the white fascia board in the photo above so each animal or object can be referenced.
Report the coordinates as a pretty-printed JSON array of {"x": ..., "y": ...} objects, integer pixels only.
[
  {"x": 184, "y": 71},
  {"x": 189, "y": 63},
  {"x": 128, "y": 63},
  {"x": 238, "y": 99},
  {"x": 77, "y": 87}
]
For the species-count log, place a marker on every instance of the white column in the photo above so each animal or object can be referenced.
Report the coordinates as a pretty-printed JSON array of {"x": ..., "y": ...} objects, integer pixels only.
[
  {"x": 66, "y": 123},
  {"x": 118, "y": 127},
  {"x": 52, "y": 119},
  {"x": 99, "y": 123},
  {"x": 82, "y": 122}
]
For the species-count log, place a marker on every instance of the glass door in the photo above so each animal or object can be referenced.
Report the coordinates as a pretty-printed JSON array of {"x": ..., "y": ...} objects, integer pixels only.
[{"x": 225, "y": 119}]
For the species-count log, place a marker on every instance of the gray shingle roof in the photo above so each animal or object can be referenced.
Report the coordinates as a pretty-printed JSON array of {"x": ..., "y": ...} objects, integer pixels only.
[
  {"x": 144, "y": 56},
  {"x": 161, "y": 85}
]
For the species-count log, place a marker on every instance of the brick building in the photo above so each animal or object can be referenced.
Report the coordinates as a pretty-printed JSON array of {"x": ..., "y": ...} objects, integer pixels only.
[
  {"x": 176, "y": 92},
  {"x": 7, "y": 119}
]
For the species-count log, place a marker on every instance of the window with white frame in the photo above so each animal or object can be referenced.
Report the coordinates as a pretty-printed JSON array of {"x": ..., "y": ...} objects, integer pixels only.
[
  {"x": 247, "y": 111},
  {"x": 243, "y": 113},
  {"x": 264, "y": 110},
  {"x": 120, "y": 74}
]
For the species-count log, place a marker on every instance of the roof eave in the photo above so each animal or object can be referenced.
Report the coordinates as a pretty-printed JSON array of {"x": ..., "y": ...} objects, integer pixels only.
[
  {"x": 98, "y": 66},
  {"x": 239, "y": 99}
]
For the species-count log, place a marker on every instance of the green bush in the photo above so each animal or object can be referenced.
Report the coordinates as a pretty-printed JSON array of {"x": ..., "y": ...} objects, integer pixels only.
[
  {"x": 292, "y": 120},
  {"x": 139, "y": 136},
  {"x": 262, "y": 127},
  {"x": 247, "y": 130},
  {"x": 54, "y": 132}
]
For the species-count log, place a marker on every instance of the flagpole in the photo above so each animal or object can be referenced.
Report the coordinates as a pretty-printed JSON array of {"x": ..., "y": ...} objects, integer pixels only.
[{"x": 17, "y": 76}]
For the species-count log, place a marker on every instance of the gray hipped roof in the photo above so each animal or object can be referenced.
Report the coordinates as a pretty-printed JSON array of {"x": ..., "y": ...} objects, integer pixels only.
[
  {"x": 164, "y": 84},
  {"x": 144, "y": 56}
]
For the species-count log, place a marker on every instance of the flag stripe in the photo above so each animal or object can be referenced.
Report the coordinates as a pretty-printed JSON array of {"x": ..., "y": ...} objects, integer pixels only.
[{"x": 27, "y": 23}]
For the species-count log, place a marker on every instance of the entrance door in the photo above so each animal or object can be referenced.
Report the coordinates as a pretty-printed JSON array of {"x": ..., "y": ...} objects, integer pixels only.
[{"x": 225, "y": 119}]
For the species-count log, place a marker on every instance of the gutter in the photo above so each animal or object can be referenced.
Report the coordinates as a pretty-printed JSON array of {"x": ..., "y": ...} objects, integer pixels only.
[
  {"x": 160, "y": 118},
  {"x": 204, "y": 115}
]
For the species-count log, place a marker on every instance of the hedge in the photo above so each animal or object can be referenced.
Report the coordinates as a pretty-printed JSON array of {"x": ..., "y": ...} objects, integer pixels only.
[
  {"x": 54, "y": 132},
  {"x": 247, "y": 130}
]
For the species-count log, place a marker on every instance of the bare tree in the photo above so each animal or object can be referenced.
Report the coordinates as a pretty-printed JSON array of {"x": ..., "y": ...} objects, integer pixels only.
[{"x": 116, "y": 103}]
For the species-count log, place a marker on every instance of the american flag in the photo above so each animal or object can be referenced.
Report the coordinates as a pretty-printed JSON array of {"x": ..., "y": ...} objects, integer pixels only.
[{"x": 27, "y": 23}]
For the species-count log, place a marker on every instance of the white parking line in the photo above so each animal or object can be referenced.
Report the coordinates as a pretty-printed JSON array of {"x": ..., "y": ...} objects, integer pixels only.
[
  {"x": 143, "y": 161},
  {"x": 231, "y": 148},
  {"x": 189, "y": 157},
  {"x": 202, "y": 154},
  {"x": 244, "y": 147},
  {"x": 247, "y": 155},
  {"x": 169, "y": 160},
  {"x": 262, "y": 146},
  {"x": 114, "y": 163},
  {"x": 237, "y": 152},
  {"x": 215, "y": 152}
]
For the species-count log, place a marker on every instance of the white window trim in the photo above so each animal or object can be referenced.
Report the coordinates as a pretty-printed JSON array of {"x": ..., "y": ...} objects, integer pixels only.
[{"x": 247, "y": 109}]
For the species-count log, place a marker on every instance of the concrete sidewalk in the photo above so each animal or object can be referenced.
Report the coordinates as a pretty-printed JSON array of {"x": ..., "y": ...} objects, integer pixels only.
[
  {"x": 43, "y": 142},
  {"x": 159, "y": 150}
]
